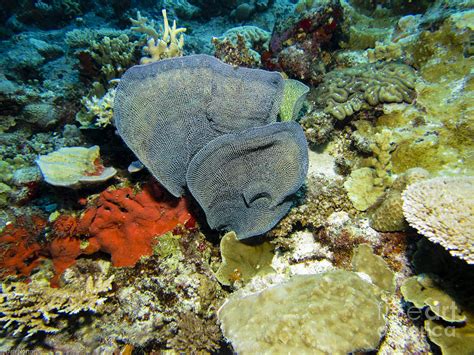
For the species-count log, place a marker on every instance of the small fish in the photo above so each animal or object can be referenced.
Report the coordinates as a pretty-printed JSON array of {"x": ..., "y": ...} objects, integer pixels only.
[{"x": 135, "y": 166}]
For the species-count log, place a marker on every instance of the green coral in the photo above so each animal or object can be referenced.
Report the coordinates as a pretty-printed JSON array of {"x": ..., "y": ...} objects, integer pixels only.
[
  {"x": 113, "y": 55},
  {"x": 293, "y": 98},
  {"x": 387, "y": 213},
  {"x": 241, "y": 262},
  {"x": 347, "y": 91},
  {"x": 364, "y": 260}
]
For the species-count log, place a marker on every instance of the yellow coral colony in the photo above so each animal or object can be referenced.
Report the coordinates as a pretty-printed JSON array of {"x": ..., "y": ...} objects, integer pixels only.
[{"x": 168, "y": 46}]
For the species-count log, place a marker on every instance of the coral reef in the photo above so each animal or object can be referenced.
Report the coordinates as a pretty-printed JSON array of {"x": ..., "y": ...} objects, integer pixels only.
[
  {"x": 97, "y": 112},
  {"x": 36, "y": 307},
  {"x": 74, "y": 167},
  {"x": 294, "y": 316},
  {"x": 442, "y": 210},
  {"x": 452, "y": 327},
  {"x": 299, "y": 44},
  {"x": 323, "y": 196},
  {"x": 386, "y": 215},
  {"x": 245, "y": 41}
]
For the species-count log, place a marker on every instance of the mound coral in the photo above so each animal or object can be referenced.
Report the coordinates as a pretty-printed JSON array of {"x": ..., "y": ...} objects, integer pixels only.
[
  {"x": 333, "y": 312},
  {"x": 125, "y": 223},
  {"x": 347, "y": 91},
  {"x": 442, "y": 209}
]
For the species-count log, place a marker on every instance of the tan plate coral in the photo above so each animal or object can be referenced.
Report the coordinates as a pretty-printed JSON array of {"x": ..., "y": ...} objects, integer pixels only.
[{"x": 74, "y": 167}]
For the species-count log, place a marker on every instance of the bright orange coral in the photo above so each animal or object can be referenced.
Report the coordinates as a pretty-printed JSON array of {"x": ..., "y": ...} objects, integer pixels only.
[
  {"x": 20, "y": 252},
  {"x": 124, "y": 224}
]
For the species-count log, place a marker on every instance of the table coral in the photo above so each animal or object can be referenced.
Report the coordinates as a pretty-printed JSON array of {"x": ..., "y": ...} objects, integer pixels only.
[
  {"x": 125, "y": 223},
  {"x": 442, "y": 209}
]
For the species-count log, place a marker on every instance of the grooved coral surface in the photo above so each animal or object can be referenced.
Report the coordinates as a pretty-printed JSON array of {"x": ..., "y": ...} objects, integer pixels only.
[
  {"x": 347, "y": 91},
  {"x": 242, "y": 181},
  {"x": 124, "y": 224},
  {"x": 335, "y": 312},
  {"x": 166, "y": 111},
  {"x": 442, "y": 209}
]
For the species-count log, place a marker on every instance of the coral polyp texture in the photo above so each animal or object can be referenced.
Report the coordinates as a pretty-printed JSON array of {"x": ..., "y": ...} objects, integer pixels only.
[
  {"x": 334, "y": 312},
  {"x": 222, "y": 126},
  {"x": 243, "y": 181},
  {"x": 442, "y": 209}
]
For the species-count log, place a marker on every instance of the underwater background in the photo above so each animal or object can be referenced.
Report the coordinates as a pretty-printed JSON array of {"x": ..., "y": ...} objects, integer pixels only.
[{"x": 237, "y": 176}]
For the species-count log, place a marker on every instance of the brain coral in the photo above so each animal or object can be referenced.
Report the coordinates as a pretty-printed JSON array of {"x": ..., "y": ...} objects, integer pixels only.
[
  {"x": 242, "y": 180},
  {"x": 347, "y": 91},
  {"x": 442, "y": 209},
  {"x": 168, "y": 110}
]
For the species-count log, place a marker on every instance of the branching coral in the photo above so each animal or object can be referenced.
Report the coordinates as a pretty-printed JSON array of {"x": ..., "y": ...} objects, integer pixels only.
[
  {"x": 36, "y": 307},
  {"x": 97, "y": 112},
  {"x": 168, "y": 46}
]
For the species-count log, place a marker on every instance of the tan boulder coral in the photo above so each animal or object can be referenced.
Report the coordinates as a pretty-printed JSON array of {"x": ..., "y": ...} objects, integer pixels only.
[
  {"x": 442, "y": 209},
  {"x": 334, "y": 312},
  {"x": 74, "y": 167}
]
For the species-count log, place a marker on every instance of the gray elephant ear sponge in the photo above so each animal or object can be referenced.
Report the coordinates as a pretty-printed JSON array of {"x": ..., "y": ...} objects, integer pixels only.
[
  {"x": 168, "y": 110},
  {"x": 243, "y": 180}
]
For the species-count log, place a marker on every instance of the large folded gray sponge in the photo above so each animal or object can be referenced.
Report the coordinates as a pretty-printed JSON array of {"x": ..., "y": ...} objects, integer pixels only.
[
  {"x": 168, "y": 110},
  {"x": 242, "y": 181}
]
